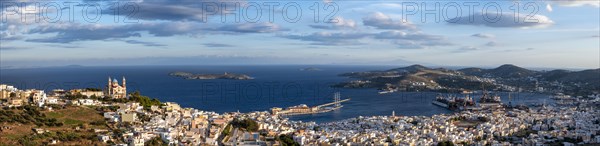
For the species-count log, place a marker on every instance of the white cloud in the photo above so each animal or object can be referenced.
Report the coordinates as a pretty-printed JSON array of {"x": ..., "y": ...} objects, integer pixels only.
[
  {"x": 382, "y": 21},
  {"x": 16, "y": 20},
  {"x": 503, "y": 20},
  {"x": 340, "y": 23},
  {"x": 576, "y": 3},
  {"x": 549, "y": 8},
  {"x": 403, "y": 40}
]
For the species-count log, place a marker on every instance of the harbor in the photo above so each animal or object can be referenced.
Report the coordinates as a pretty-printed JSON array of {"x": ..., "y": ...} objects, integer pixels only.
[
  {"x": 453, "y": 102},
  {"x": 467, "y": 103}
]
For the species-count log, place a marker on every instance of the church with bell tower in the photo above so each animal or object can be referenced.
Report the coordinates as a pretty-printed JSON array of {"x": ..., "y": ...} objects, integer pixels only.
[{"x": 115, "y": 90}]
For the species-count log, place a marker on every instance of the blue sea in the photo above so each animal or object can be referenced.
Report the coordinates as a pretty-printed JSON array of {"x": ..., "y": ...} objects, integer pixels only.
[{"x": 272, "y": 86}]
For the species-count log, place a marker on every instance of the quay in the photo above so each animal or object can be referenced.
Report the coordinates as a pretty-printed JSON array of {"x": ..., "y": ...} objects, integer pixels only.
[{"x": 304, "y": 109}]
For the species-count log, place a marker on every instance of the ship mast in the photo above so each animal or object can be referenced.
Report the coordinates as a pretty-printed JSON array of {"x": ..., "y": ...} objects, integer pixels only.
[
  {"x": 509, "y": 99},
  {"x": 336, "y": 98}
]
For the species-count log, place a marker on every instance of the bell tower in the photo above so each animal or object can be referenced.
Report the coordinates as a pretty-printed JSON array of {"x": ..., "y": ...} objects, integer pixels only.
[
  {"x": 124, "y": 87},
  {"x": 109, "y": 86}
]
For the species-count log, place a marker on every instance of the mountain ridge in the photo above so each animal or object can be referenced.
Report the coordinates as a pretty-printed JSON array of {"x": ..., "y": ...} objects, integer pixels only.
[{"x": 507, "y": 77}]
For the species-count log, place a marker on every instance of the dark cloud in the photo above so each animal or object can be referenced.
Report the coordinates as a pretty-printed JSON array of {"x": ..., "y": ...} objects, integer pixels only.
[
  {"x": 403, "y": 44},
  {"x": 321, "y": 27},
  {"x": 63, "y": 46},
  {"x": 179, "y": 60},
  {"x": 216, "y": 45},
  {"x": 491, "y": 44},
  {"x": 180, "y": 10},
  {"x": 149, "y": 44},
  {"x": 518, "y": 50},
  {"x": 382, "y": 21},
  {"x": 71, "y": 32},
  {"x": 7, "y": 48},
  {"x": 503, "y": 20},
  {"x": 483, "y": 35},
  {"x": 251, "y": 28},
  {"x": 465, "y": 49},
  {"x": 328, "y": 38},
  {"x": 6, "y": 36}
]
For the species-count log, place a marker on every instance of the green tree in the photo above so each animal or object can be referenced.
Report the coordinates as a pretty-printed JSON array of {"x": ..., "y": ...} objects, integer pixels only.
[
  {"x": 286, "y": 140},
  {"x": 144, "y": 100},
  {"x": 93, "y": 89},
  {"x": 247, "y": 124},
  {"x": 445, "y": 143},
  {"x": 156, "y": 141}
]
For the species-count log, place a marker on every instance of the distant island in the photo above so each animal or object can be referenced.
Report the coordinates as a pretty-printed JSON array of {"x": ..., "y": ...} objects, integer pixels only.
[
  {"x": 226, "y": 75},
  {"x": 504, "y": 78},
  {"x": 310, "y": 69}
]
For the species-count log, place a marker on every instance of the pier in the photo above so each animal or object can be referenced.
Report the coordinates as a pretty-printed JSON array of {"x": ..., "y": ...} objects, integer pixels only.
[{"x": 304, "y": 109}]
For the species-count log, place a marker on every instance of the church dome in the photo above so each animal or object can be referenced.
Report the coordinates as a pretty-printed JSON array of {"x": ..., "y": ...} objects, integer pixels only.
[{"x": 115, "y": 80}]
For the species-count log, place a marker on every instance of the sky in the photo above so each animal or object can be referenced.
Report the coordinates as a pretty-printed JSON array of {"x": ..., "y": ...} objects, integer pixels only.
[{"x": 550, "y": 34}]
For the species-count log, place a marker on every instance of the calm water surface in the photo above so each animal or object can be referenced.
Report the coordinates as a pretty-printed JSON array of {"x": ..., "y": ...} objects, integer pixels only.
[{"x": 273, "y": 86}]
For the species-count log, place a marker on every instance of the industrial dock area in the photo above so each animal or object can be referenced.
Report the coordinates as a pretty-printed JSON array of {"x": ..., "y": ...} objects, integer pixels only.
[{"x": 304, "y": 109}]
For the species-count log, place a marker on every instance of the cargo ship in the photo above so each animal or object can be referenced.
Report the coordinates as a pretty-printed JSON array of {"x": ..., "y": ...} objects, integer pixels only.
[
  {"x": 442, "y": 101},
  {"x": 453, "y": 103},
  {"x": 488, "y": 100}
]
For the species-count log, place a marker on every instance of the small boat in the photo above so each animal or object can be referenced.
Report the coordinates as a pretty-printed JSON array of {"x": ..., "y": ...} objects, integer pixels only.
[{"x": 387, "y": 91}]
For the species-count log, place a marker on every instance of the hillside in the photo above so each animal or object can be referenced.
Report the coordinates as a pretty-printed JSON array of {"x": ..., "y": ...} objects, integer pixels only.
[
  {"x": 554, "y": 75},
  {"x": 590, "y": 76},
  {"x": 506, "y": 77},
  {"x": 511, "y": 71},
  {"x": 504, "y": 71},
  {"x": 415, "y": 78},
  {"x": 68, "y": 125},
  {"x": 410, "y": 69}
]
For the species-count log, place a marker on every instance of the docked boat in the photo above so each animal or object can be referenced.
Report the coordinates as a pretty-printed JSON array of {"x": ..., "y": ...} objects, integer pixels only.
[
  {"x": 453, "y": 103},
  {"x": 488, "y": 100},
  {"x": 561, "y": 96},
  {"x": 388, "y": 89},
  {"x": 442, "y": 101}
]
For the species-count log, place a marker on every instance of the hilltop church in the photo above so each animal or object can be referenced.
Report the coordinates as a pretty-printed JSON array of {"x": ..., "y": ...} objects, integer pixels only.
[{"x": 115, "y": 90}]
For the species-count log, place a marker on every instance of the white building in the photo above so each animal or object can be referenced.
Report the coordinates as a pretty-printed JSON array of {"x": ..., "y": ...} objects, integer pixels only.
[{"x": 38, "y": 97}]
